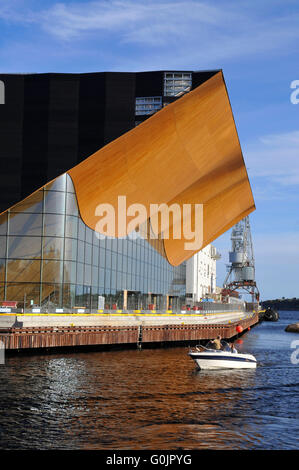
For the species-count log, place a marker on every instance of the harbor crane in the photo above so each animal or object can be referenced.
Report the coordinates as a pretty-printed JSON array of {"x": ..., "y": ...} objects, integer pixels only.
[{"x": 241, "y": 270}]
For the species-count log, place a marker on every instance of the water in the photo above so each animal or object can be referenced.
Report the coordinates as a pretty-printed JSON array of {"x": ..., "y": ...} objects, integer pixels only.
[{"x": 153, "y": 399}]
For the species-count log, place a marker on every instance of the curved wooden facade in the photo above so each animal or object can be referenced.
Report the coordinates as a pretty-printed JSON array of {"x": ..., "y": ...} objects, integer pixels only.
[{"x": 187, "y": 153}]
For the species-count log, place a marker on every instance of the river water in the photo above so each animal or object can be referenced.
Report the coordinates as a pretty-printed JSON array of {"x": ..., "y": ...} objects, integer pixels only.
[{"x": 154, "y": 398}]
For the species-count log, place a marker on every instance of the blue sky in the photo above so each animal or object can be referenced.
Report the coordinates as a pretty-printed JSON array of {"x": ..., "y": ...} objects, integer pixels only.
[{"x": 256, "y": 44}]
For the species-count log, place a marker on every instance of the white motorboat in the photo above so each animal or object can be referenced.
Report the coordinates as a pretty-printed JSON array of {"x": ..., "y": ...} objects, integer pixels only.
[{"x": 226, "y": 358}]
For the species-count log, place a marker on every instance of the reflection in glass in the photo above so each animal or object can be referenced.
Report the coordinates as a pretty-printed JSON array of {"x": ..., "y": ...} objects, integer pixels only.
[
  {"x": 54, "y": 225},
  {"x": 59, "y": 184},
  {"x": 53, "y": 248},
  {"x": 25, "y": 224},
  {"x": 95, "y": 276},
  {"x": 1, "y": 290},
  {"x": 24, "y": 247},
  {"x": 70, "y": 249},
  {"x": 81, "y": 230},
  {"x": 3, "y": 224},
  {"x": 25, "y": 293},
  {"x": 51, "y": 296},
  {"x": 71, "y": 226},
  {"x": 69, "y": 184},
  {"x": 52, "y": 271},
  {"x": 71, "y": 205},
  {"x": 69, "y": 273},
  {"x": 88, "y": 252},
  {"x": 87, "y": 275},
  {"x": 22, "y": 270},
  {"x": 2, "y": 246},
  {"x": 80, "y": 273},
  {"x": 2, "y": 269},
  {"x": 54, "y": 202}
]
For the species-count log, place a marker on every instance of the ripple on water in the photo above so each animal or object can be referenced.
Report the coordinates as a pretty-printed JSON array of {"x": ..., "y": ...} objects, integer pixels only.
[{"x": 152, "y": 399}]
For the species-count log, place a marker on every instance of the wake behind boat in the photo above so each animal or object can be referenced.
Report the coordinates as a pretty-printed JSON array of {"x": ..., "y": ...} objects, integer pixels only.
[{"x": 226, "y": 358}]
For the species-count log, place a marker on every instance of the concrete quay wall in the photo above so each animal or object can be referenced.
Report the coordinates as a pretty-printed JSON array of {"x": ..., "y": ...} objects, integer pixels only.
[
  {"x": 115, "y": 319},
  {"x": 40, "y": 337}
]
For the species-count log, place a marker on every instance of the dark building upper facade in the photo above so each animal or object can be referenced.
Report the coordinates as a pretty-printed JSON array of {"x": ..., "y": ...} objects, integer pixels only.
[{"x": 51, "y": 122}]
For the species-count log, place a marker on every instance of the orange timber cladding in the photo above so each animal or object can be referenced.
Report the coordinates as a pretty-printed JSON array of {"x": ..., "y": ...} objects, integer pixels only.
[{"x": 55, "y": 337}]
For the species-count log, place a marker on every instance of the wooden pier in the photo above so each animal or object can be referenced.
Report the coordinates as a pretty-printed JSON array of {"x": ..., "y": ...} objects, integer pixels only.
[{"x": 17, "y": 339}]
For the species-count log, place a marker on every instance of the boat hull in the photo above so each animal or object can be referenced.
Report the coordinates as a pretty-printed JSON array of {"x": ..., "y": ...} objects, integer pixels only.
[{"x": 221, "y": 360}]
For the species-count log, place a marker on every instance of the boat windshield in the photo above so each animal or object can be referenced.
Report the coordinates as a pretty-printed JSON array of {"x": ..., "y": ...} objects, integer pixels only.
[{"x": 224, "y": 346}]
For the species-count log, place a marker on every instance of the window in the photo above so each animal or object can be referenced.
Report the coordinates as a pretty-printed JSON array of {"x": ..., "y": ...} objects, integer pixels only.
[
  {"x": 148, "y": 105},
  {"x": 177, "y": 83}
]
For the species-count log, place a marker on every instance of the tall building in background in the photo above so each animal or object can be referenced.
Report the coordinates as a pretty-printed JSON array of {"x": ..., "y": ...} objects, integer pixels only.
[
  {"x": 48, "y": 256},
  {"x": 201, "y": 275}
]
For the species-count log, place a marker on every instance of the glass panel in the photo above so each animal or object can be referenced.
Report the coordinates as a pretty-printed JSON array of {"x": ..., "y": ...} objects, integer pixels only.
[
  {"x": 54, "y": 202},
  {"x": 59, "y": 184},
  {"x": 95, "y": 274},
  {"x": 52, "y": 271},
  {"x": 2, "y": 270},
  {"x": 113, "y": 263},
  {"x": 54, "y": 225},
  {"x": 108, "y": 259},
  {"x": 69, "y": 272},
  {"x": 53, "y": 248},
  {"x": 88, "y": 251},
  {"x": 87, "y": 275},
  {"x": 79, "y": 296},
  {"x": 81, "y": 230},
  {"x": 25, "y": 224},
  {"x": 119, "y": 262},
  {"x": 3, "y": 224},
  {"x": 69, "y": 184},
  {"x": 21, "y": 270},
  {"x": 88, "y": 235},
  {"x": 95, "y": 255},
  {"x": 80, "y": 273},
  {"x": 1, "y": 290},
  {"x": 69, "y": 295},
  {"x": 102, "y": 258},
  {"x": 24, "y": 293},
  {"x": 2, "y": 247},
  {"x": 33, "y": 203},
  {"x": 71, "y": 226},
  {"x": 70, "y": 249},
  {"x": 113, "y": 279},
  {"x": 80, "y": 251},
  {"x": 114, "y": 244},
  {"x": 71, "y": 204},
  {"x": 107, "y": 279},
  {"x": 95, "y": 238},
  {"x": 24, "y": 247},
  {"x": 101, "y": 277},
  {"x": 51, "y": 296}
]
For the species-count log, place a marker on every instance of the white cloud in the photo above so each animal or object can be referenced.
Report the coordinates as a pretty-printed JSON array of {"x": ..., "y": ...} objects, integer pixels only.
[{"x": 193, "y": 31}]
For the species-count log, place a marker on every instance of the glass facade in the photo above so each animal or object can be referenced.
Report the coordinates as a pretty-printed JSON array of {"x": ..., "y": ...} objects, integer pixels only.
[
  {"x": 176, "y": 83},
  {"x": 50, "y": 258},
  {"x": 148, "y": 105}
]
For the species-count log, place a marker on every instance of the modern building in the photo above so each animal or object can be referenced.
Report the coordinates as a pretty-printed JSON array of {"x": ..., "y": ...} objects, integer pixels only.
[
  {"x": 201, "y": 274},
  {"x": 55, "y": 163}
]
